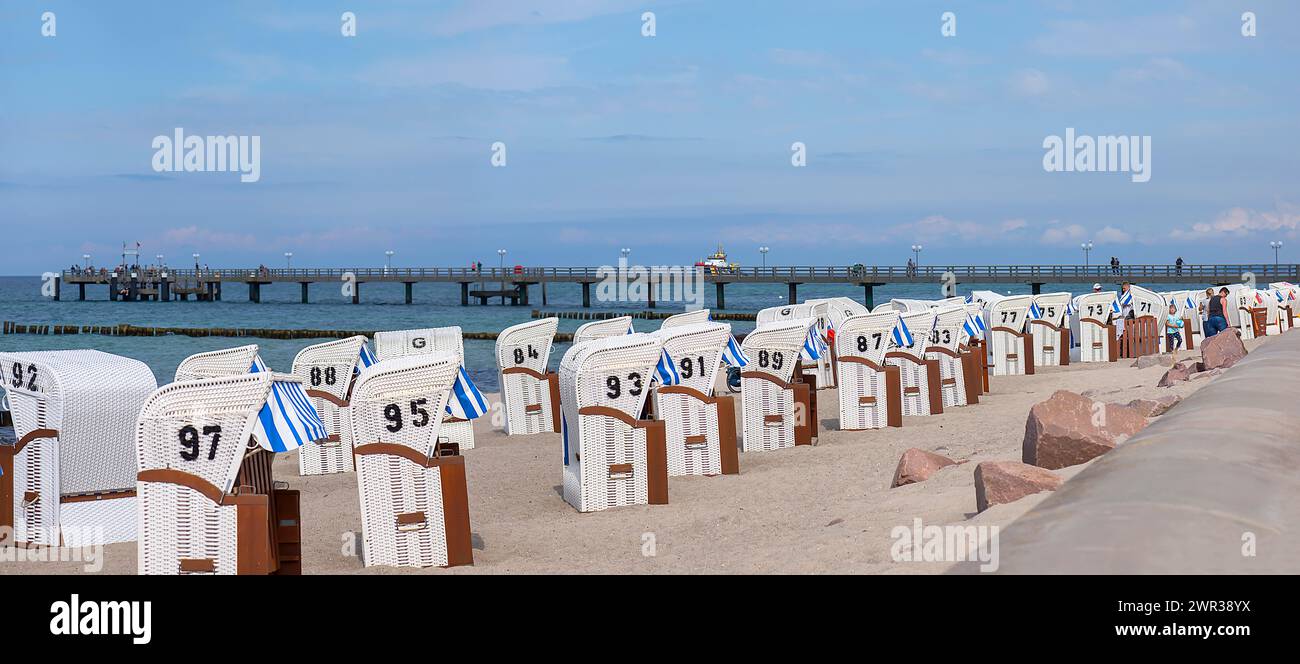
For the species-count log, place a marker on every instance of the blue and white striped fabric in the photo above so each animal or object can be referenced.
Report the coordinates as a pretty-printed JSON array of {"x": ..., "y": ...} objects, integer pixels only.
[
  {"x": 1122, "y": 301},
  {"x": 1191, "y": 304},
  {"x": 466, "y": 402},
  {"x": 813, "y": 346},
  {"x": 287, "y": 419},
  {"x": 367, "y": 358},
  {"x": 732, "y": 354},
  {"x": 666, "y": 370},
  {"x": 970, "y": 297},
  {"x": 1034, "y": 312},
  {"x": 974, "y": 326},
  {"x": 1278, "y": 293},
  {"x": 902, "y": 335},
  {"x": 1069, "y": 308},
  {"x": 258, "y": 365}
]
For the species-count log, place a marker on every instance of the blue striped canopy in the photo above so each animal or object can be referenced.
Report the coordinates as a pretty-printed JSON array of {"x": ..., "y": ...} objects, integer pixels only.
[{"x": 288, "y": 420}]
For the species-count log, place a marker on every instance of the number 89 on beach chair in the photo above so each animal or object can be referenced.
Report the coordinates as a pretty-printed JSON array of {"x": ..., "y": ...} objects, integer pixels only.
[{"x": 776, "y": 409}]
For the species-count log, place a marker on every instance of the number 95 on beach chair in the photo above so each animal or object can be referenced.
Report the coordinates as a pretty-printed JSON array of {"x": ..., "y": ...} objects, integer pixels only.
[
  {"x": 208, "y": 503},
  {"x": 70, "y": 479},
  {"x": 701, "y": 427},
  {"x": 611, "y": 458},
  {"x": 529, "y": 393},
  {"x": 414, "y": 501},
  {"x": 466, "y": 402},
  {"x": 776, "y": 410},
  {"x": 870, "y": 391},
  {"x": 327, "y": 371}
]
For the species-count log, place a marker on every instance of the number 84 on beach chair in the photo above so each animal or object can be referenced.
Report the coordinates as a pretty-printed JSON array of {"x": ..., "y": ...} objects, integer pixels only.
[{"x": 529, "y": 393}]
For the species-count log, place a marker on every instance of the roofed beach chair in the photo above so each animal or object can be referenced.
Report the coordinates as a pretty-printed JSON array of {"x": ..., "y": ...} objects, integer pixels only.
[
  {"x": 1244, "y": 311},
  {"x": 777, "y": 408},
  {"x": 466, "y": 403},
  {"x": 700, "y": 427},
  {"x": 1093, "y": 327},
  {"x": 1049, "y": 324},
  {"x": 70, "y": 476},
  {"x": 328, "y": 370},
  {"x": 973, "y": 339},
  {"x": 870, "y": 391},
  {"x": 814, "y": 361},
  {"x": 687, "y": 318},
  {"x": 529, "y": 393},
  {"x": 1290, "y": 301},
  {"x": 922, "y": 394},
  {"x": 611, "y": 457},
  {"x": 414, "y": 500},
  {"x": 208, "y": 503},
  {"x": 1010, "y": 348},
  {"x": 958, "y": 377},
  {"x": 1140, "y": 335},
  {"x": 601, "y": 329},
  {"x": 217, "y": 363}
]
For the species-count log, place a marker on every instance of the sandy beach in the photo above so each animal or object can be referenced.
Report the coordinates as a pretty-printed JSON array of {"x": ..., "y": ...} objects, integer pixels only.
[{"x": 821, "y": 509}]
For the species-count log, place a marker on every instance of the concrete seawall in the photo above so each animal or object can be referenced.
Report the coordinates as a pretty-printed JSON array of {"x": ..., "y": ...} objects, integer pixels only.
[{"x": 1190, "y": 493}]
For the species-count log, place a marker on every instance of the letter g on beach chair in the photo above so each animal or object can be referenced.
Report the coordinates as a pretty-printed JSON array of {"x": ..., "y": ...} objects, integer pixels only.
[
  {"x": 701, "y": 427},
  {"x": 328, "y": 370},
  {"x": 776, "y": 411},
  {"x": 529, "y": 394},
  {"x": 414, "y": 501},
  {"x": 611, "y": 458},
  {"x": 70, "y": 477},
  {"x": 870, "y": 391}
]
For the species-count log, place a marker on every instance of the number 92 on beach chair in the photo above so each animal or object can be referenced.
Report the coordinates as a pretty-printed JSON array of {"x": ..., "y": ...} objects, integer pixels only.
[
  {"x": 327, "y": 371},
  {"x": 529, "y": 393},
  {"x": 70, "y": 478},
  {"x": 611, "y": 457},
  {"x": 208, "y": 503},
  {"x": 777, "y": 410},
  {"x": 701, "y": 427}
]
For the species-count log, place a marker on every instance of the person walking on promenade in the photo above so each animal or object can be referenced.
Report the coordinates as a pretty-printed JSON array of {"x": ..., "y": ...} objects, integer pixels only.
[{"x": 1215, "y": 319}]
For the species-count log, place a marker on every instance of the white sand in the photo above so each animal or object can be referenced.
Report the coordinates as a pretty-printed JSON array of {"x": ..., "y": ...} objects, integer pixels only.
[{"x": 826, "y": 508}]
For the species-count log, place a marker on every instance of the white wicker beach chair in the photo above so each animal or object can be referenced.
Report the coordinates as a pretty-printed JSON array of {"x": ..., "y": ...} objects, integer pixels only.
[
  {"x": 611, "y": 457},
  {"x": 700, "y": 427},
  {"x": 958, "y": 380},
  {"x": 1241, "y": 309},
  {"x": 327, "y": 370},
  {"x": 600, "y": 329},
  {"x": 208, "y": 503},
  {"x": 70, "y": 478},
  {"x": 922, "y": 393},
  {"x": 687, "y": 318},
  {"x": 841, "y": 309},
  {"x": 407, "y": 343},
  {"x": 414, "y": 500},
  {"x": 818, "y": 311},
  {"x": 1290, "y": 302},
  {"x": 1050, "y": 328},
  {"x": 1010, "y": 348},
  {"x": 777, "y": 411},
  {"x": 529, "y": 393},
  {"x": 1093, "y": 328},
  {"x": 870, "y": 391},
  {"x": 217, "y": 363}
]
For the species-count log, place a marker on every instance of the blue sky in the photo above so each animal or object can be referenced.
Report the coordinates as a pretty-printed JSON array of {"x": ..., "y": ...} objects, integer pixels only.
[{"x": 668, "y": 145}]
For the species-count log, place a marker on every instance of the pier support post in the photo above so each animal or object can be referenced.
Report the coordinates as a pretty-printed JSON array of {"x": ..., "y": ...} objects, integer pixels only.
[
  {"x": 464, "y": 293},
  {"x": 216, "y": 291},
  {"x": 794, "y": 293},
  {"x": 81, "y": 292},
  {"x": 58, "y": 287},
  {"x": 650, "y": 292},
  {"x": 133, "y": 290},
  {"x": 165, "y": 290},
  {"x": 722, "y": 301},
  {"x": 522, "y": 300},
  {"x": 254, "y": 292},
  {"x": 543, "y": 293},
  {"x": 586, "y": 295},
  {"x": 306, "y": 292},
  {"x": 112, "y": 288},
  {"x": 868, "y": 296},
  {"x": 1036, "y": 289},
  {"x": 410, "y": 291},
  {"x": 356, "y": 293}
]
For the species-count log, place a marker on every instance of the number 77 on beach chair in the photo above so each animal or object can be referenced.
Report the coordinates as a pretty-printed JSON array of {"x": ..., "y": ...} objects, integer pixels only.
[
  {"x": 870, "y": 391},
  {"x": 529, "y": 393},
  {"x": 207, "y": 501},
  {"x": 328, "y": 371},
  {"x": 611, "y": 458},
  {"x": 776, "y": 409},
  {"x": 414, "y": 501}
]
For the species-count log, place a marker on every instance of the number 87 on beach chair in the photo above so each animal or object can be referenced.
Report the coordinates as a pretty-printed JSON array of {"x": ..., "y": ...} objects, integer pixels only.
[
  {"x": 414, "y": 501},
  {"x": 328, "y": 371},
  {"x": 871, "y": 391},
  {"x": 207, "y": 501},
  {"x": 776, "y": 411},
  {"x": 701, "y": 427},
  {"x": 611, "y": 457},
  {"x": 529, "y": 394}
]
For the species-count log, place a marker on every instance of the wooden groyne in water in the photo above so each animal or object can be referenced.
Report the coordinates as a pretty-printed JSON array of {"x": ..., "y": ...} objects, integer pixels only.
[
  {"x": 123, "y": 330},
  {"x": 644, "y": 315}
]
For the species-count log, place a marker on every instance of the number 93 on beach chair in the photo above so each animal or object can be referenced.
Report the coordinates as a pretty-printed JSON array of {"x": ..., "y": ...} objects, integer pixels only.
[
  {"x": 70, "y": 477},
  {"x": 870, "y": 391},
  {"x": 700, "y": 427},
  {"x": 611, "y": 457},
  {"x": 466, "y": 402},
  {"x": 327, "y": 371},
  {"x": 414, "y": 501},
  {"x": 529, "y": 393},
  {"x": 208, "y": 503},
  {"x": 777, "y": 408}
]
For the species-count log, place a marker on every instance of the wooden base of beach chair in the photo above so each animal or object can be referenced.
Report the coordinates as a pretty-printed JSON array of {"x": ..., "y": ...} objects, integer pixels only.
[
  {"x": 1259, "y": 321},
  {"x": 6, "y": 494},
  {"x": 692, "y": 454},
  {"x": 656, "y": 463},
  {"x": 1189, "y": 342},
  {"x": 927, "y": 372},
  {"x": 1020, "y": 349},
  {"x": 413, "y": 529},
  {"x": 1141, "y": 337},
  {"x": 890, "y": 397}
]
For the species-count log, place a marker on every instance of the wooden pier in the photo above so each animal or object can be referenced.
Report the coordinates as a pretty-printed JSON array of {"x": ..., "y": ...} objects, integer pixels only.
[{"x": 513, "y": 284}]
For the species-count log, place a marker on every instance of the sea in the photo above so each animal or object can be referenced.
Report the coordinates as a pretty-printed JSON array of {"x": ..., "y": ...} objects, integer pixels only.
[{"x": 382, "y": 307}]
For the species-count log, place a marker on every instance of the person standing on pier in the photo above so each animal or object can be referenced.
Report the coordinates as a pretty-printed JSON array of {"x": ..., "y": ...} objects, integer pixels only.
[{"x": 1178, "y": 265}]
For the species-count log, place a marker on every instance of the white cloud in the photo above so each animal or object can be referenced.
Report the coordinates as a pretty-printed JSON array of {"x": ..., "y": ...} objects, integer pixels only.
[
  {"x": 1062, "y": 234},
  {"x": 1240, "y": 222},
  {"x": 1112, "y": 235},
  {"x": 1030, "y": 83}
]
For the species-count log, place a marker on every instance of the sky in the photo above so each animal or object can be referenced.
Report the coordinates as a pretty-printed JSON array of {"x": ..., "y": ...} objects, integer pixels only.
[{"x": 667, "y": 144}]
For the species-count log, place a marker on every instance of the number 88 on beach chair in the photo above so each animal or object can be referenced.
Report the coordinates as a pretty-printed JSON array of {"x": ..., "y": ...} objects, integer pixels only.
[
  {"x": 776, "y": 411},
  {"x": 328, "y": 370},
  {"x": 466, "y": 402},
  {"x": 414, "y": 501},
  {"x": 611, "y": 458},
  {"x": 208, "y": 503},
  {"x": 871, "y": 392},
  {"x": 529, "y": 394},
  {"x": 701, "y": 428},
  {"x": 70, "y": 478}
]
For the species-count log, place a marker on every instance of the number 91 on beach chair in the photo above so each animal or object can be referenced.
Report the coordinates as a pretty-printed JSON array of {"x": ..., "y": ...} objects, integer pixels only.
[
  {"x": 611, "y": 457},
  {"x": 701, "y": 427},
  {"x": 529, "y": 393},
  {"x": 70, "y": 478},
  {"x": 208, "y": 503},
  {"x": 777, "y": 409}
]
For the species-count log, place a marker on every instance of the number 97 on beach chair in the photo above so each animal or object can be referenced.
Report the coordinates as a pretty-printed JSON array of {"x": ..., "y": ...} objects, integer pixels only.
[{"x": 529, "y": 393}]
